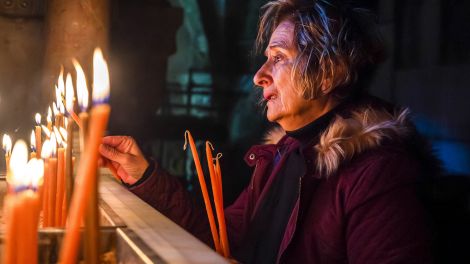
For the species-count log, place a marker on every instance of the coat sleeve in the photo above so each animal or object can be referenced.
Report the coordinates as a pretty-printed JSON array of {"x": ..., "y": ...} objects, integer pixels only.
[
  {"x": 386, "y": 222},
  {"x": 236, "y": 221},
  {"x": 167, "y": 194}
]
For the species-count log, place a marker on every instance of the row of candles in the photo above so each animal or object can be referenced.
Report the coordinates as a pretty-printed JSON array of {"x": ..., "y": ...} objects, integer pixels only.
[{"x": 45, "y": 185}]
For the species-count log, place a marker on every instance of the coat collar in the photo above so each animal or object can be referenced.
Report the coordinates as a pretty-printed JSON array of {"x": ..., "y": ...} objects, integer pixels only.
[{"x": 351, "y": 133}]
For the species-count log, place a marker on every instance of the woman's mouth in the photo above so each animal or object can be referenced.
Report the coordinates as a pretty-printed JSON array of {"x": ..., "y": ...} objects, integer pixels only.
[{"x": 270, "y": 96}]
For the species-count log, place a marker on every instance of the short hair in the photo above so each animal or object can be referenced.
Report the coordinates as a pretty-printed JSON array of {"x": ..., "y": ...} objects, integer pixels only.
[{"x": 336, "y": 42}]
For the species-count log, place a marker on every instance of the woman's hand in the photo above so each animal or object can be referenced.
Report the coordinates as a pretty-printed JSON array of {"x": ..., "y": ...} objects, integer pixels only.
[{"x": 123, "y": 154}]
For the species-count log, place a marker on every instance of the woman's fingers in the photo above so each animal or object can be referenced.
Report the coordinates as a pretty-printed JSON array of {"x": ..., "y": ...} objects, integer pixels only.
[
  {"x": 124, "y": 144},
  {"x": 113, "y": 154}
]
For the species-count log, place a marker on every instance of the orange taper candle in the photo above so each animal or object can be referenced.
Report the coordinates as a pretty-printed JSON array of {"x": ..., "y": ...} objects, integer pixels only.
[
  {"x": 11, "y": 229},
  {"x": 60, "y": 194},
  {"x": 52, "y": 183},
  {"x": 205, "y": 194},
  {"x": 45, "y": 195},
  {"x": 219, "y": 208},
  {"x": 38, "y": 133},
  {"x": 86, "y": 172}
]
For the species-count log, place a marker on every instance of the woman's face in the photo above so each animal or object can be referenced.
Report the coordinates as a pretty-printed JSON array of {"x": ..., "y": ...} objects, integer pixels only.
[{"x": 284, "y": 104}]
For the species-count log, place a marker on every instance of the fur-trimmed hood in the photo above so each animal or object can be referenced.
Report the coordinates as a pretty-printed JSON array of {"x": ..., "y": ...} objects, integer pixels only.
[{"x": 363, "y": 129}]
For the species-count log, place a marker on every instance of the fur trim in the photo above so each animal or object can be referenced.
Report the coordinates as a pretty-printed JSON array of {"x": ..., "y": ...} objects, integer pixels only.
[
  {"x": 274, "y": 135},
  {"x": 364, "y": 129}
]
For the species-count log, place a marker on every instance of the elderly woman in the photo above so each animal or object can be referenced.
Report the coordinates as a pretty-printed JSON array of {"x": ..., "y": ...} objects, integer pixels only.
[{"x": 336, "y": 184}]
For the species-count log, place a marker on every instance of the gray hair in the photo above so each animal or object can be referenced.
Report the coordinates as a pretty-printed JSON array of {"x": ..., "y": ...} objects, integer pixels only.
[{"x": 336, "y": 43}]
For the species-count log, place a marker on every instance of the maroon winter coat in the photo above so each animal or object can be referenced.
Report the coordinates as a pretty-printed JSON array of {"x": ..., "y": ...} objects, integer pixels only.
[{"x": 357, "y": 201}]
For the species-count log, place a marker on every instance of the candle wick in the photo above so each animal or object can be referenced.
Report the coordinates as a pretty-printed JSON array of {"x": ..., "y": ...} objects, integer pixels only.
[
  {"x": 218, "y": 156},
  {"x": 210, "y": 144}
]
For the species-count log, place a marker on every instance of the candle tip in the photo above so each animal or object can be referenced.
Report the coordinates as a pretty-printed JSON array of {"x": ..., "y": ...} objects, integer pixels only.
[
  {"x": 208, "y": 143},
  {"x": 186, "y": 134}
]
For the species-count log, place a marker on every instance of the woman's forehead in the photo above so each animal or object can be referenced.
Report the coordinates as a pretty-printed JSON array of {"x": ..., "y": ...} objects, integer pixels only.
[{"x": 283, "y": 34}]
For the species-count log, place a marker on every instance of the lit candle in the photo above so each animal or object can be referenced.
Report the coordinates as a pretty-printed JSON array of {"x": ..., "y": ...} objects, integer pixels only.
[
  {"x": 59, "y": 93},
  {"x": 49, "y": 120},
  {"x": 205, "y": 193},
  {"x": 69, "y": 103},
  {"x": 60, "y": 193},
  {"x": 52, "y": 182},
  {"x": 21, "y": 208},
  {"x": 46, "y": 154},
  {"x": 87, "y": 171},
  {"x": 46, "y": 132},
  {"x": 30, "y": 220},
  {"x": 33, "y": 145},
  {"x": 7, "y": 148},
  {"x": 38, "y": 132},
  {"x": 56, "y": 113},
  {"x": 82, "y": 97}
]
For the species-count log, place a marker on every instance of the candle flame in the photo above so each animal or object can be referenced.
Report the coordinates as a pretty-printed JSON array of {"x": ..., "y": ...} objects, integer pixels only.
[
  {"x": 35, "y": 171},
  {"x": 46, "y": 150},
  {"x": 69, "y": 95},
  {"x": 54, "y": 109},
  {"x": 58, "y": 136},
  {"x": 49, "y": 115},
  {"x": 46, "y": 131},
  {"x": 33, "y": 141},
  {"x": 101, "y": 84},
  {"x": 38, "y": 119},
  {"x": 18, "y": 161},
  {"x": 7, "y": 144},
  {"x": 59, "y": 92},
  {"x": 82, "y": 89}
]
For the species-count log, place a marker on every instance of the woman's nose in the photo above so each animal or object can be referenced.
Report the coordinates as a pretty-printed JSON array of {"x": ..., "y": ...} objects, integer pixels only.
[{"x": 263, "y": 77}]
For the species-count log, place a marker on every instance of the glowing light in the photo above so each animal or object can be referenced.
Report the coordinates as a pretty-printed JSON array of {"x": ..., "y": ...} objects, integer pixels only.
[
  {"x": 7, "y": 144},
  {"x": 69, "y": 95},
  {"x": 58, "y": 136},
  {"x": 49, "y": 115},
  {"x": 46, "y": 150},
  {"x": 101, "y": 84},
  {"x": 60, "y": 91},
  {"x": 35, "y": 172},
  {"x": 18, "y": 161},
  {"x": 53, "y": 145},
  {"x": 38, "y": 119},
  {"x": 82, "y": 89},
  {"x": 54, "y": 109},
  {"x": 46, "y": 131}
]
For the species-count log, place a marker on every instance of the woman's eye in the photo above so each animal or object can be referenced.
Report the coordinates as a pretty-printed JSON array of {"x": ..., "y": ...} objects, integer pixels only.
[{"x": 276, "y": 58}]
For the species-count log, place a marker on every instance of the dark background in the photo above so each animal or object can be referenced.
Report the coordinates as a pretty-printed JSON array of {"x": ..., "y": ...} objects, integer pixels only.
[{"x": 188, "y": 64}]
